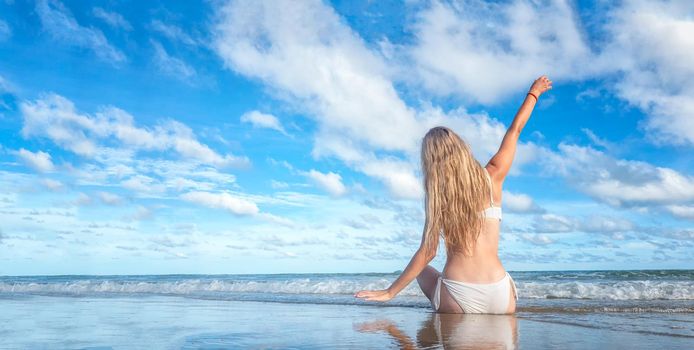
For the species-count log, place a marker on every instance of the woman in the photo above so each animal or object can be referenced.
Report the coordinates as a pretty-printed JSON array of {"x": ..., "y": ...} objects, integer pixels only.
[{"x": 462, "y": 202}]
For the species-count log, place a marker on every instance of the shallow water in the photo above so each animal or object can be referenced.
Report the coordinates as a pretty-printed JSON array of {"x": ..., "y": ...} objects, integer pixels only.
[
  {"x": 170, "y": 322},
  {"x": 319, "y": 311}
]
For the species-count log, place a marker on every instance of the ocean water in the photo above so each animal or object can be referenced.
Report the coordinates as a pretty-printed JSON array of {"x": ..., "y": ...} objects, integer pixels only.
[{"x": 657, "y": 303}]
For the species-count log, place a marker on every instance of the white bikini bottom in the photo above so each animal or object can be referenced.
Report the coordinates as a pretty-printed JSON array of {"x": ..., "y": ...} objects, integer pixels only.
[{"x": 475, "y": 298}]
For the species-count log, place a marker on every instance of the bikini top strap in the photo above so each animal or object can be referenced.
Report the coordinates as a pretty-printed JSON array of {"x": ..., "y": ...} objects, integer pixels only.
[{"x": 491, "y": 192}]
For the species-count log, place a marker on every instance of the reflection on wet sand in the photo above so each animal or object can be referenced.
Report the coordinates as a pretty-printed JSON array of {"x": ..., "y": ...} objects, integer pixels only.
[{"x": 453, "y": 331}]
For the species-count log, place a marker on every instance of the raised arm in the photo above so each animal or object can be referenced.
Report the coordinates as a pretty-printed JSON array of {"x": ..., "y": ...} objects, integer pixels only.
[{"x": 500, "y": 163}]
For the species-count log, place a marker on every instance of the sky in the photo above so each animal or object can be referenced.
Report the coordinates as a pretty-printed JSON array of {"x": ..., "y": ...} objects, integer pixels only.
[{"x": 160, "y": 137}]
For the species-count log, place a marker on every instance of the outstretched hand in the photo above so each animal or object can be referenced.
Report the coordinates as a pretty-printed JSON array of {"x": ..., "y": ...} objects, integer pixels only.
[
  {"x": 374, "y": 295},
  {"x": 540, "y": 85}
]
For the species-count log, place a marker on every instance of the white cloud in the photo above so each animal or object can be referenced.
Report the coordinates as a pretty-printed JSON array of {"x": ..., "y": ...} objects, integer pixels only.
[
  {"x": 597, "y": 140},
  {"x": 309, "y": 57},
  {"x": 142, "y": 184},
  {"x": 39, "y": 161},
  {"x": 172, "y": 66},
  {"x": 519, "y": 203},
  {"x": 305, "y": 49},
  {"x": 604, "y": 224},
  {"x": 82, "y": 200},
  {"x": 53, "y": 185},
  {"x": 651, "y": 45},
  {"x": 57, "y": 119},
  {"x": 278, "y": 185},
  {"x": 277, "y": 220},
  {"x": 484, "y": 51},
  {"x": 553, "y": 223},
  {"x": 142, "y": 213},
  {"x": 306, "y": 52},
  {"x": 619, "y": 182},
  {"x": 330, "y": 182},
  {"x": 646, "y": 51},
  {"x": 235, "y": 205},
  {"x": 110, "y": 198},
  {"x": 113, "y": 19},
  {"x": 263, "y": 120},
  {"x": 681, "y": 211},
  {"x": 538, "y": 239},
  {"x": 63, "y": 27},
  {"x": 592, "y": 224}
]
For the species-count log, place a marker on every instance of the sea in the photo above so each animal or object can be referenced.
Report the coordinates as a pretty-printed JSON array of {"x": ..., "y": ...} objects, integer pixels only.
[{"x": 45, "y": 311}]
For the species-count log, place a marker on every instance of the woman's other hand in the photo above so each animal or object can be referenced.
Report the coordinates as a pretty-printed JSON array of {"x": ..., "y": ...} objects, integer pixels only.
[
  {"x": 540, "y": 85},
  {"x": 374, "y": 295}
]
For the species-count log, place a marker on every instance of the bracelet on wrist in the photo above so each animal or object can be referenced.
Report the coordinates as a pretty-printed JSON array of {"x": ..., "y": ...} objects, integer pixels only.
[{"x": 533, "y": 95}]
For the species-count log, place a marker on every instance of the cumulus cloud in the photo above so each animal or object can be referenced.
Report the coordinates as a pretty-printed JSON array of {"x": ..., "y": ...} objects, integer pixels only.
[
  {"x": 330, "y": 182},
  {"x": 263, "y": 120},
  {"x": 223, "y": 200},
  {"x": 681, "y": 211},
  {"x": 520, "y": 203},
  {"x": 619, "y": 182},
  {"x": 113, "y": 19},
  {"x": 511, "y": 44},
  {"x": 39, "y": 161},
  {"x": 306, "y": 49},
  {"x": 307, "y": 54},
  {"x": 651, "y": 45},
  {"x": 56, "y": 118},
  {"x": 645, "y": 50},
  {"x": 63, "y": 27}
]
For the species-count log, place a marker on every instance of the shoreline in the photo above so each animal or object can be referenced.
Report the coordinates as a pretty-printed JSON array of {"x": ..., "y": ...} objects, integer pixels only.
[
  {"x": 180, "y": 322},
  {"x": 324, "y": 273}
]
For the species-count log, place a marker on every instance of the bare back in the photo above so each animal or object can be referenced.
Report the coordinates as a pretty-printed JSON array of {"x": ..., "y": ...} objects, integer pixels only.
[{"x": 483, "y": 265}]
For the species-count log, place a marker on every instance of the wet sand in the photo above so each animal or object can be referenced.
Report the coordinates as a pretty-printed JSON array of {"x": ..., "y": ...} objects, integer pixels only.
[{"x": 160, "y": 322}]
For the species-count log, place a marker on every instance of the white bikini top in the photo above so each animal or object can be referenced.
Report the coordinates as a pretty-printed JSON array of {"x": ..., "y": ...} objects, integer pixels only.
[{"x": 493, "y": 212}]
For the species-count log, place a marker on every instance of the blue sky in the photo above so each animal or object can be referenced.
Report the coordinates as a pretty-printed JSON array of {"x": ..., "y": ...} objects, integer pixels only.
[{"x": 283, "y": 136}]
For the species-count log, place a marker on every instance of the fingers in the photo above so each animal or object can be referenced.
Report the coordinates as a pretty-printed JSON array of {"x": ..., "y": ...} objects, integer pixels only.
[{"x": 547, "y": 83}]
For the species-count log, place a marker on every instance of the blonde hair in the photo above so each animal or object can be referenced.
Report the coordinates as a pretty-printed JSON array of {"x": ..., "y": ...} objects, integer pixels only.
[{"x": 456, "y": 190}]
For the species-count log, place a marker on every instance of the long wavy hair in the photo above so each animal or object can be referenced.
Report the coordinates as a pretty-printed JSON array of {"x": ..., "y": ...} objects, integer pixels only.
[{"x": 456, "y": 190}]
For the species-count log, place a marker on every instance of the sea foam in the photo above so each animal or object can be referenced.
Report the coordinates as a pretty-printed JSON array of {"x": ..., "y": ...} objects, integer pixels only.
[{"x": 596, "y": 290}]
